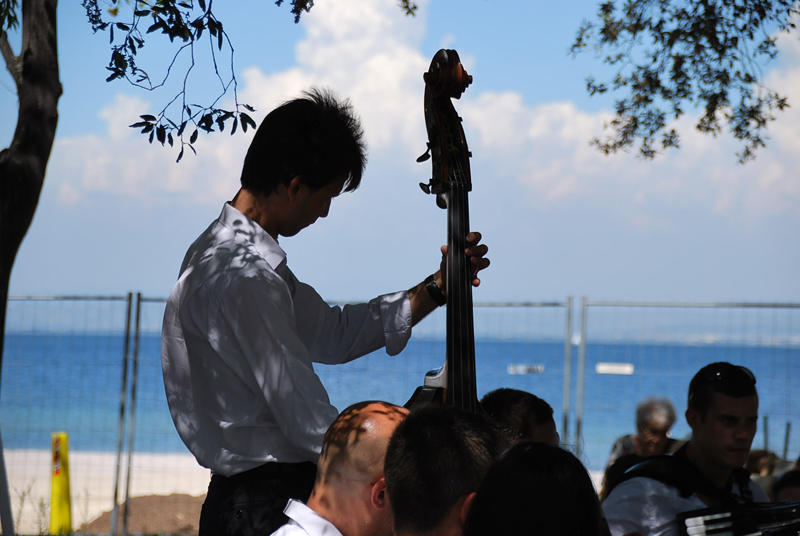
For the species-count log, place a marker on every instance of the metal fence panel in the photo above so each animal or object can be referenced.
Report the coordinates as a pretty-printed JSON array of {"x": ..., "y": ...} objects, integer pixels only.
[
  {"x": 63, "y": 366},
  {"x": 518, "y": 345},
  {"x": 66, "y": 359},
  {"x": 656, "y": 348}
]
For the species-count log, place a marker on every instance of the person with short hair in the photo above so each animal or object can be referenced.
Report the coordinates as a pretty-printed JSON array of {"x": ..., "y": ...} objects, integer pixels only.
[
  {"x": 241, "y": 333},
  {"x": 435, "y": 463},
  {"x": 654, "y": 419},
  {"x": 524, "y": 415},
  {"x": 536, "y": 488},
  {"x": 349, "y": 496},
  {"x": 707, "y": 471}
]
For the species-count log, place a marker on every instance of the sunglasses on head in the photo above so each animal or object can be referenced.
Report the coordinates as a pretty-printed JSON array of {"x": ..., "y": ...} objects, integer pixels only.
[{"x": 728, "y": 372}]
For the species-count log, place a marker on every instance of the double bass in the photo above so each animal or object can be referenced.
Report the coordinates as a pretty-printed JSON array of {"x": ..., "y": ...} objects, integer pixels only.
[{"x": 454, "y": 383}]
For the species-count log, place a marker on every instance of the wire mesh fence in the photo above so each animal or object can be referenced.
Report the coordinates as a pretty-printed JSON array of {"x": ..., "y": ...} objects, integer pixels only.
[
  {"x": 92, "y": 367},
  {"x": 630, "y": 351},
  {"x": 64, "y": 367}
]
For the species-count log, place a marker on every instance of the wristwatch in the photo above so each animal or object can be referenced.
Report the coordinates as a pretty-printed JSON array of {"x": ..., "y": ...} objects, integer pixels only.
[{"x": 435, "y": 292}]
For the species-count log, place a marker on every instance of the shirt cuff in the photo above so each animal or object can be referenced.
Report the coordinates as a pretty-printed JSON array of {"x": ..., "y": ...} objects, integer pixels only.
[{"x": 396, "y": 316}]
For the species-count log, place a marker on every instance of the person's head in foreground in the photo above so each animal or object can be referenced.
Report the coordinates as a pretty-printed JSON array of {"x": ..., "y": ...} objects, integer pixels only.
[
  {"x": 535, "y": 488},
  {"x": 435, "y": 463},
  {"x": 350, "y": 489},
  {"x": 522, "y": 414},
  {"x": 654, "y": 419},
  {"x": 723, "y": 415}
]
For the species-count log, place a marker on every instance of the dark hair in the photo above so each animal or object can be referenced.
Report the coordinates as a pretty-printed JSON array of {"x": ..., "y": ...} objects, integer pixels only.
[
  {"x": 723, "y": 378},
  {"x": 513, "y": 409},
  {"x": 435, "y": 457},
  {"x": 789, "y": 479},
  {"x": 315, "y": 136},
  {"x": 535, "y": 488}
]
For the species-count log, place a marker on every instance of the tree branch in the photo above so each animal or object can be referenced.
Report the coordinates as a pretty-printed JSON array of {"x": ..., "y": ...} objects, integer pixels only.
[{"x": 12, "y": 62}]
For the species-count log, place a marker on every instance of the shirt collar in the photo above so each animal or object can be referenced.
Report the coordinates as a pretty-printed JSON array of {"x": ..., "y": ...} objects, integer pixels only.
[
  {"x": 309, "y": 520},
  {"x": 246, "y": 229}
]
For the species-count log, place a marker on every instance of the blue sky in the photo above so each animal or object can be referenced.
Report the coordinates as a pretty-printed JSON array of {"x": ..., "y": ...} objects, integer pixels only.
[{"x": 117, "y": 214}]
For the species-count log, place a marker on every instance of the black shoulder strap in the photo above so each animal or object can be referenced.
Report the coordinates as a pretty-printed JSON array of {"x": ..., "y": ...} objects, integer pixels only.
[{"x": 680, "y": 473}]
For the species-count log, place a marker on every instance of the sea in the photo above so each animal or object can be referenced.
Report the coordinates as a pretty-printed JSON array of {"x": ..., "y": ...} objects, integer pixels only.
[{"x": 107, "y": 398}]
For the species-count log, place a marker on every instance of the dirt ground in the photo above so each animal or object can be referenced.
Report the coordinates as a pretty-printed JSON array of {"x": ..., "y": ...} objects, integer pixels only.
[{"x": 154, "y": 514}]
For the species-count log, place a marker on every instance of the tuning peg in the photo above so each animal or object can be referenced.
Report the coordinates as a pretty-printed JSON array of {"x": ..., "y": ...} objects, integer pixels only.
[
  {"x": 426, "y": 155},
  {"x": 425, "y": 187}
]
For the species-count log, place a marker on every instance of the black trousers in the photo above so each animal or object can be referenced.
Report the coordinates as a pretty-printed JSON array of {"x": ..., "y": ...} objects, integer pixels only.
[{"x": 252, "y": 503}]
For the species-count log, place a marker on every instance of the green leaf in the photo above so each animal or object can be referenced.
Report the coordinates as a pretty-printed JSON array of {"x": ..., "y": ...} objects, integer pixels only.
[
  {"x": 119, "y": 60},
  {"x": 161, "y": 134},
  {"x": 202, "y": 4},
  {"x": 123, "y": 27},
  {"x": 194, "y": 137},
  {"x": 148, "y": 117},
  {"x": 246, "y": 121},
  {"x": 180, "y": 155},
  {"x": 206, "y": 123}
]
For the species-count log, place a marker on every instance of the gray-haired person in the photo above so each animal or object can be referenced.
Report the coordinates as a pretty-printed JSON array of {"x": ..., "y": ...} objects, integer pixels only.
[{"x": 654, "y": 419}]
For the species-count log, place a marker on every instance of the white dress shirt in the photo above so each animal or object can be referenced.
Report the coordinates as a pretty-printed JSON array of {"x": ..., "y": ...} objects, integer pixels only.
[
  {"x": 651, "y": 507},
  {"x": 303, "y": 521},
  {"x": 239, "y": 337}
]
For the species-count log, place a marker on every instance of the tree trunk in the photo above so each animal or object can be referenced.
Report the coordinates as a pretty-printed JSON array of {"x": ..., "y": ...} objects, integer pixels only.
[{"x": 23, "y": 164}]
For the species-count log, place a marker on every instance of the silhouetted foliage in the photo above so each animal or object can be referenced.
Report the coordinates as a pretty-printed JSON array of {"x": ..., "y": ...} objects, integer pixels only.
[
  {"x": 670, "y": 53},
  {"x": 184, "y": 22}
]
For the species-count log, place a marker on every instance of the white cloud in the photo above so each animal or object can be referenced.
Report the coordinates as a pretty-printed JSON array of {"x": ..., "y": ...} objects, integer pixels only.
[
  {"x": 545, "y": 150},
  {"x": 122, "y": 163},
  {"x": 366, "y": 51},
  {"x": 370, "y": 52}
]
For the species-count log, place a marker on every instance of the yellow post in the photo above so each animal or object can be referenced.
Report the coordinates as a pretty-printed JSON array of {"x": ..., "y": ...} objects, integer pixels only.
[{"x": 60, "y": 499}]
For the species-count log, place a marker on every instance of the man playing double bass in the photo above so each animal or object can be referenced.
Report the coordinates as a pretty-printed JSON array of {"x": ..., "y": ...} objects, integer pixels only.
[{"x": 240, "y": 331}]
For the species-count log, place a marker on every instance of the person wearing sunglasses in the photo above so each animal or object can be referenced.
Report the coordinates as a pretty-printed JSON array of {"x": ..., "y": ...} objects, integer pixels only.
[{"x": 707, "y": 471}]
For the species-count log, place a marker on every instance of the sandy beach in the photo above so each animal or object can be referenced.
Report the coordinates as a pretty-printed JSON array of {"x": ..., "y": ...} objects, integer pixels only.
[
  {"x": 92, "y": 477},
  {"x": 166, "y": 491}
]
